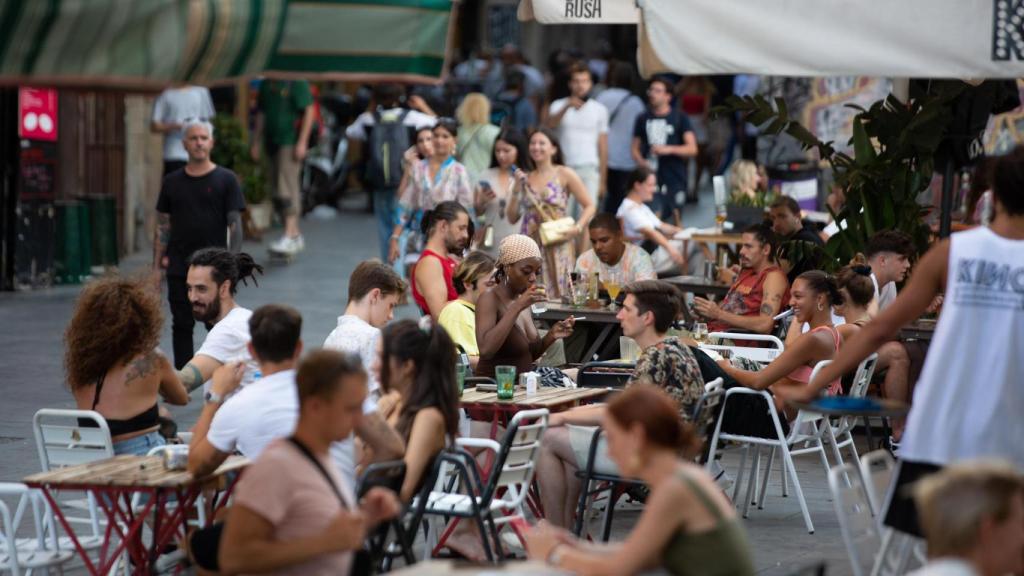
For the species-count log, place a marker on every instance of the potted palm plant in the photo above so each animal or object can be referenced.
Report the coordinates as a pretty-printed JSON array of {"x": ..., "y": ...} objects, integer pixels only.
[{"x": 231, "y": 151}]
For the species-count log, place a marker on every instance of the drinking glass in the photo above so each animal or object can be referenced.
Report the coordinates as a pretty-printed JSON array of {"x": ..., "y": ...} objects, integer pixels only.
[
  {"x": 540, "y": 307},
  {"x": 460, "y": 377},
  {"x": 506, "y": 377},
  {"x": 613, "y": 285},
  {"x": 700, "y": 332},
  {"x": 580, "y": 293}
]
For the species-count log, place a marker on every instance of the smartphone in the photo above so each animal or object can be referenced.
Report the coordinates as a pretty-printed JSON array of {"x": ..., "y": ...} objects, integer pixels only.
[
  {"x": 485, "y": 184},
  {"x": 512, "y": 169}
]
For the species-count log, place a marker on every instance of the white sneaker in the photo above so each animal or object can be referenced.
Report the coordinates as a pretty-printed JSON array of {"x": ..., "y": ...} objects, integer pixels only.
[
  {"x": 285, "y": 245},
  {"x": 300, "y": 242}
]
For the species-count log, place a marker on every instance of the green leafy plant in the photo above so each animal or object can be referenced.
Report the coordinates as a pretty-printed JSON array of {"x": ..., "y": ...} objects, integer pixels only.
[
  {"x": 894, "y": 146},
  {"x": 231, "y": 150},
  {"x": 761, "y": 199}
]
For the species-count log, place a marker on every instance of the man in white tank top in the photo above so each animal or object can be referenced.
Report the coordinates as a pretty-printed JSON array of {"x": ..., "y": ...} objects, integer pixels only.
[{"x": 970, "y": 397}]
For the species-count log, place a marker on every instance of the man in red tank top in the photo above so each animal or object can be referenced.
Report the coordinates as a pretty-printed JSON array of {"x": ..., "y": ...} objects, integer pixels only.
[
  {"x": 446, "y": 228},
  {"x": 758, "y": 291}
]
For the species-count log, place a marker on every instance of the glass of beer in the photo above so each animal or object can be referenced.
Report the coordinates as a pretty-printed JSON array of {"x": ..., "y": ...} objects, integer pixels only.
[
  {"x": 700, "y": 332},
  {"x": 542, "y": 306},
  {"x": 613, "y": 285}
]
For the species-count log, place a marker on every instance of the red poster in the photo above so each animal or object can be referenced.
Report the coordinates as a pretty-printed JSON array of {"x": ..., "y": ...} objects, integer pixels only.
[{"x": 37, "y": 114}]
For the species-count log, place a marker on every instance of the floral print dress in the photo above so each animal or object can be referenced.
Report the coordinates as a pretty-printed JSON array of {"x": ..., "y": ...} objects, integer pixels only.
[{"x": 559, "y": 259}]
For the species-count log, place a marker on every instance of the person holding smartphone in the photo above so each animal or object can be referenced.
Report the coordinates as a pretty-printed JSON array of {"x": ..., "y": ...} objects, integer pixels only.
[{"x": 495, "y": 187}]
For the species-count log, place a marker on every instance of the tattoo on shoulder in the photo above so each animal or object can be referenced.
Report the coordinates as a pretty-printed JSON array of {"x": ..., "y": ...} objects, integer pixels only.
[
  {"x": 767, "y": 310},
  {"x": 191, "y": 377},
  {"x": 142, "y": 366},
  {"x": 776, "y": 297}
]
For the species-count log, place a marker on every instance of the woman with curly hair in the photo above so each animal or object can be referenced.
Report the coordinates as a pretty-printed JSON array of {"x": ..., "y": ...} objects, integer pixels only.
[{"x": 113, "y": 365}]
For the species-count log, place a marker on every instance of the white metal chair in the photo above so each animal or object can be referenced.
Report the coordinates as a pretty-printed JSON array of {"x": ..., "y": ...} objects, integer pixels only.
[
  {"x": 842, "y": 427},
  {"x": 807, "y": 435},
  {"x": 43, "y": 550},
  {"x": 62, "y": 440},
  {"x": 763, "y": 355},
  {"x": 878, "y": 469},
  {"x": 500, "y": 500},
  {"x": 858, "y": 527}
]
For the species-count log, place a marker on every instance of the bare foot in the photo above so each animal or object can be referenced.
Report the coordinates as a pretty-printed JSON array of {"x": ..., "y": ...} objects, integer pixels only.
[{"x": 468, "y": 544}]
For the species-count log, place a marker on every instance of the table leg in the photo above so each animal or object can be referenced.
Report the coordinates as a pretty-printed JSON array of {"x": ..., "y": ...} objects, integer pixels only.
[
  {"x": 71, "y": 533},
  {"x": 109, "y": 498},
  {"x": 599, "y": 342}
]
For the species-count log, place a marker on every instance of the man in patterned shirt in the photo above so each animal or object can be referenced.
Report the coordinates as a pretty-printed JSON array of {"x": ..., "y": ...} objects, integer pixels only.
[{"x": 647, "y": 314}]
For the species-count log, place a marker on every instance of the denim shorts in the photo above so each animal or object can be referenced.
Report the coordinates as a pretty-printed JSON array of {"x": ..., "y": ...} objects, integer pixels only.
[{"x": 139, "y": 445}]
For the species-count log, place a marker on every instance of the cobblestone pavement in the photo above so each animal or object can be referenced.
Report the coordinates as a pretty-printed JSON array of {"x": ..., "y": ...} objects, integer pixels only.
[{"x": 31, "y": 376}]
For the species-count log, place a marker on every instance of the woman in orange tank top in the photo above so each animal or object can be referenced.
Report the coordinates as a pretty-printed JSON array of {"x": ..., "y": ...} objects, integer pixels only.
[{"x": 812, "y": 295}]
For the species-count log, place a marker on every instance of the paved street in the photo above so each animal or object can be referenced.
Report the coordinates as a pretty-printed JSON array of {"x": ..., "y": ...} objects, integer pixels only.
[{"x": 31, "y": 377}]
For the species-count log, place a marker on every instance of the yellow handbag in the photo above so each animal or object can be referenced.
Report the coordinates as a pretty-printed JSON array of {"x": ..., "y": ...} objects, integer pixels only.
[{"x": 552, "y": 230}]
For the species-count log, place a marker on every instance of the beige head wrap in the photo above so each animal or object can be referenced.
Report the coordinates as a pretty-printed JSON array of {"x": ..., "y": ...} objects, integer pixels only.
[{"x": 517, "y": 247}]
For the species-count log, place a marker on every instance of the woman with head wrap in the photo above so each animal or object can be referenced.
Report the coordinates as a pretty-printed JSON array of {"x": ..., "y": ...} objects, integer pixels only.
[{"x": 505, "y": 332}]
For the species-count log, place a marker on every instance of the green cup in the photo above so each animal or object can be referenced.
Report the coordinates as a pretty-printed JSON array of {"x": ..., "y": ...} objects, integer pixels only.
[{"x": 506, "y": 377}]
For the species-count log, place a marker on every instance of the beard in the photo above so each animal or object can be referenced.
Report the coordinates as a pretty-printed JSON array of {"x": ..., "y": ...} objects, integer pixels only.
[
  {"x": 455, "y": 246},
  {"x": 207, "y": 313}
]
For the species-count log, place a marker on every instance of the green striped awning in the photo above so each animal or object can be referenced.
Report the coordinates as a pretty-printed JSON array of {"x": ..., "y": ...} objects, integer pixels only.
[{"x": 149, "y": 44}]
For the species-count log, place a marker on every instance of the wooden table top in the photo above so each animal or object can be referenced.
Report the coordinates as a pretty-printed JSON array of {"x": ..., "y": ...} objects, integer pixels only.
[
  {"x": 697, "y": 284},
  {"x": 557, "y": 311},
  {"x": 439, "y": 567},
  {"x": 544, "y": 398},
  {"x": 715, "y": 238},
  {"x": 128, "y": 471},
  {"x": 920, "y": 329}
]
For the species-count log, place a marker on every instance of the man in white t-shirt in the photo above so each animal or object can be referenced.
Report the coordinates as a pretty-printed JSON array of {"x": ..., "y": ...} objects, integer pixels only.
[
  {"x": 268, "y": 408},
  {"x": 373, "y": 292},
  {"x": 170, "y": 111},
  {"x": 640, "y": 224},
  {"x": 582, "y": 126},
  {"x": 212, "y": 281}
]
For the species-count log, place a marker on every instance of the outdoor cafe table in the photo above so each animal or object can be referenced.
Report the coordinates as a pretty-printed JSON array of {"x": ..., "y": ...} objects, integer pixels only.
[
  {"x": 699, "y": 286},
  {"x": 884, "y": 408},
  {"x": 486, "y": 405},
  {"x": 602, "y": 317},
  {"x": 170, "y": 496},
  {"x": 722, "y": 240}
]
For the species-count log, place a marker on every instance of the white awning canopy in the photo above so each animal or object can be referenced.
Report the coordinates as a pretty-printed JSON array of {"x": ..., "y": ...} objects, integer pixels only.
[{"x": 902, "y": 38}]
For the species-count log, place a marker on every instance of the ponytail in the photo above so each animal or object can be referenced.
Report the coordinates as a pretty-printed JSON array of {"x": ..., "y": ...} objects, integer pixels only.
[
  {"x": 227, "y": 266},
  {"x": 447, "y": 211}
]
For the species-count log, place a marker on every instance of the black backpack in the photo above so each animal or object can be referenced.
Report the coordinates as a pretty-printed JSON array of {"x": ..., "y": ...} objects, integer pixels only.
[{"x": 389, "y": 139}]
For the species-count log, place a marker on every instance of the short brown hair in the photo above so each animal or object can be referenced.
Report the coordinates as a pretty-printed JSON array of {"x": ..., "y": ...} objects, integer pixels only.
[
  {"x": 659, "y": 297},
  {"x": 895, "y": 241},
  {"x": 370, "y": 274},
  {"x": 953, "y": 503},
  {"x": 788, "y": 203},
  {"x": 580, "y": 67},
  {"x": 658, "y": 414},
  {"x": 274, "y": 331},
  {"x": 322, "y": 372}
]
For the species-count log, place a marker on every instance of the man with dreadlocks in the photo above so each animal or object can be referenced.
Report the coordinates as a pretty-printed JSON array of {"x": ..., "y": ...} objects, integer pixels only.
[{"x": 213, "y": 277}]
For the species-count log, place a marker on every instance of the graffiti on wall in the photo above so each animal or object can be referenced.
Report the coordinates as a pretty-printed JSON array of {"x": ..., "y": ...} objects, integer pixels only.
[
  {"x": 826, "y": 113},
  {"x": 1005, "y": 131}
]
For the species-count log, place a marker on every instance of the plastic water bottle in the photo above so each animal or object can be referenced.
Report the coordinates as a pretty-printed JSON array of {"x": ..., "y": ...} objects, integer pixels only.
[{"x": 531, "y": 383}]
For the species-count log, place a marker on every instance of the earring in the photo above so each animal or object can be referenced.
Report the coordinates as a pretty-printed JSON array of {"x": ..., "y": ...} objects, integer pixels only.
[{"x": 820, "y": 307}]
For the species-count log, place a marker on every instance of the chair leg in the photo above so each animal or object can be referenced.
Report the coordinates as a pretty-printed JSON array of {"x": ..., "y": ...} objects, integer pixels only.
[
  {"x": 498, "y": 548},
  {"x": 484, "y": 538},
  {"x": 606, "y": 528},
  {"x": 764, "y": 482},
  {"x": 836, "y": 453},
  {"x": 755, "y": 473},
  {"x": 791, "y": 468},
  {"x": 751, "y": 481},
  {"x": 739, "y": 474},
  {"x": 785, "y": 482},
  {"x": 867, "y": 430},
  {"x": 581, "y": 508}
]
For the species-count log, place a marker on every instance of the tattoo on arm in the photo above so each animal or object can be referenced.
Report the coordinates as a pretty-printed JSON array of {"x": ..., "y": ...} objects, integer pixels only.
[
  {"x": 163, "y": 236},
  {"x": 234, "y": 231},
  {"x": 767, "y": 310},
  {"x": 142, "y": 367},
  {"x": 191, "y": 377}
]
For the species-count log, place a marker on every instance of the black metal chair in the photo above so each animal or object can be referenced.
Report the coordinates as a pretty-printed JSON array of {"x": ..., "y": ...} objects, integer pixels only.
[
  {"x": 611, "y": 375},
  {"x": 390, "y": 475},
  {"x": 705, "y": 415}
]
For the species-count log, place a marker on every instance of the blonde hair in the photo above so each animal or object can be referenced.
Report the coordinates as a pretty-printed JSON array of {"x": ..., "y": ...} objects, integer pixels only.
[
  {"x": 474, "y": 110},
  {"x": 743, "y": 177},
  {"x": 953, "y": 503}
]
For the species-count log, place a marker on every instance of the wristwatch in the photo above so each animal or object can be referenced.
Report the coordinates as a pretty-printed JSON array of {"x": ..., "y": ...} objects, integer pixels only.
[{"x": 213, "y": 398}]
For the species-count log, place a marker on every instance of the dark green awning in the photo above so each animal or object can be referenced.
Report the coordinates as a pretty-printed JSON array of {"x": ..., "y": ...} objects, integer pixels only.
[{"x": 149, "y": 44}]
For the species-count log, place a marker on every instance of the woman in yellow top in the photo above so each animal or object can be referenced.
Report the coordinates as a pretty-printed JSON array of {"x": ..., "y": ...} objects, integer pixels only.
[{"x": 472, "y": 277}]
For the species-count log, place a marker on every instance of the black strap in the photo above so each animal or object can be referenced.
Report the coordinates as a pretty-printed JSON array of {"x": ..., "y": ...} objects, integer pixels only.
[
  {"x": 99, "y": 389},
  {"x": 313, "y": 459},
  {"x": 615, "y": 112}
]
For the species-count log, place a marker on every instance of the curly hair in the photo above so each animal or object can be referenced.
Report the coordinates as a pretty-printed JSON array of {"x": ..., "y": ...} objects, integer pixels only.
[{"x": 114, "y": 321}]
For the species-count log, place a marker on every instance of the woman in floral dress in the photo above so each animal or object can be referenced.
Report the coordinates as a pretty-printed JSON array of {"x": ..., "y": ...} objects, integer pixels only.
[
  {"x": 549, "y": 184},
  {"x": 438, "y": 178}
]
